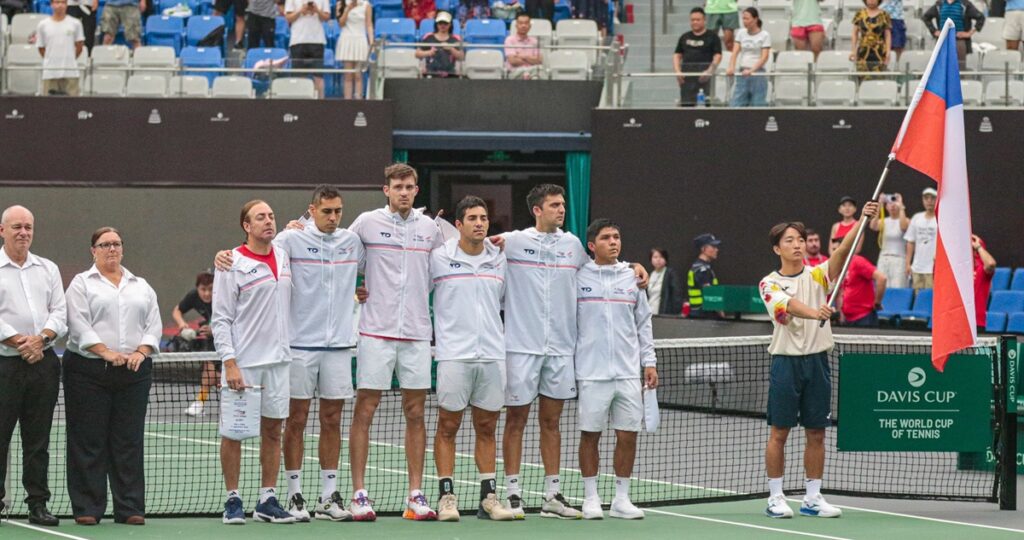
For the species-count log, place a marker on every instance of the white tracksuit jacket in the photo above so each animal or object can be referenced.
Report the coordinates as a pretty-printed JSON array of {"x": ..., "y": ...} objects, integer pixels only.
[
  {"x": 251, "y": 311},
  {"x": 467, "y": 303}
]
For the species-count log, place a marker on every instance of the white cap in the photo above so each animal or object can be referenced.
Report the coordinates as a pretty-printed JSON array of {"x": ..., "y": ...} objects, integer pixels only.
[
  {"x": 930, "y": 191},
  {"x": 443, "y": 16}
]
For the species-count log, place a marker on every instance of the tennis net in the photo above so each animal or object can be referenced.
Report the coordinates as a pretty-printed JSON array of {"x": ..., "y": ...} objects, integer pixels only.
[{"x": 709, "y": 445}]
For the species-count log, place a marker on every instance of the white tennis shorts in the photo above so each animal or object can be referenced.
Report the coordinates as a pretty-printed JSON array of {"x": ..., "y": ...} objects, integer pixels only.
[
  {"x": 460, "y": 384},
  {"x": 378, "y": 359},
  {"x": 533, "y": 374},
  {"x": 274, "y": 380},
  {"x": 328, "y": 373},
  {"x": 1013, "y": 25},
  {"x": 619, "y": 399}
]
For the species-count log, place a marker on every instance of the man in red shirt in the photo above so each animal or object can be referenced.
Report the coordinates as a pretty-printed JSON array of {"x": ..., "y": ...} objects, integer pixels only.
[
  {"x": 813, "y": 246},
  {"x": 984, "y": 269},
  {"x": 863, "y": 289}
]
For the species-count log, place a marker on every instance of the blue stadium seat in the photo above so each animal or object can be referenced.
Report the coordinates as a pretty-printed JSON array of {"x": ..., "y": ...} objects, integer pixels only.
[
  {"x": 563, "y": 10},
  {"x": 995, "y": 322},
  {"x": 165, "y": 31},
  {"x": 202, "y": 57},
  {"x": 1015, "y": 324},
  {"x": 259, "y": 82},
  {"x": 1018, "y": 280},
  {"x": 199, "y": 26},
  {"x": 896, "y": 301},
  {"x": 446, "y": 5},
  {"x": 388, "y": 9},
  {"x": 42, "y": 6},
  {"x": 1001, "y": 279},
  {"x": 331, "y": 31},
  {"x": 1004, "y": 302},
  {"x": 282, "y": 33},
  {"x": 400, "y": 30},
  {"x": 485, "y": 31},
  {"x": 332, "y": 81},
  {"x": 922, "y": 306}
]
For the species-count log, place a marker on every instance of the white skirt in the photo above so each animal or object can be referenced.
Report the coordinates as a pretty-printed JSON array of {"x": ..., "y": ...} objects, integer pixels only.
[{"x": 352, "y": 47}]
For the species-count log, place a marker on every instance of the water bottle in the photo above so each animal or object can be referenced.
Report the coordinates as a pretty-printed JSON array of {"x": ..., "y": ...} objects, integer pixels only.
[{"x": 702, "y": 100}]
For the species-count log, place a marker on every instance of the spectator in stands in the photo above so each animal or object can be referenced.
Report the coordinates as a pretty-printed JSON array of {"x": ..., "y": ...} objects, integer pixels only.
[
  {"x": 872, "y": 38},
  {"x": 356, "y": 20},
  {"x": 966, "y": 18},
  {"x": 113, "y": 329},
  {"x": 697, "y": 50},
  {"x": 813, "y": 248},
  {"x": 541, "y": 9},
  {"x": 846, "y": 223},
  {"x": 85, "y": 12},
  {"x": 750, "y": 52},
  {"x": 306, "y": 47},
  {"x": 863, "y": 290},
  {"x": 807, "y": 29},
  {"x": 701, "y": 274},
  {"x": 920, "y": 239},
  {"x": 418, "y": 10},
  {"x": 899, "y": 28},
  {"x": 126, "y": 13},
  {"x": 892, "y": 258},
  {"x": 984, "y": 269},
  {"x": 664, "y": 292},
  {"x": 596, "y": 10},
  {"x": 723, "y": 15},
  {"x": 1013, "y": 26},
  {"x": 221, "y": 7},
  {"x": 522, "y": 51},
  {"x": 60, "y": 40},
  {"x": 474, "y": 9},
  {"x": 441, "y": 58},
  {"x": 261, "y": 19}
]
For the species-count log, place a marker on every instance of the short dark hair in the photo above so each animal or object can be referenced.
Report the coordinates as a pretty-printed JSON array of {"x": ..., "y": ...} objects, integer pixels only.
[
  {"x": 467, "y": 202},
  {"x": 522, "y": 14},
  {"x": 660, "y": 251},
  {"x": 540, "y": 192},
  {"x": 204, "y": 278},
  {"x": 326, "y": 191},
  {"x": 809, "y": 232},
  {"x": 775, "y": 235},
  {"x": 598, "y": 225},
  {"x": 397, "y": 171},
  {"x": 100, "y": 232},
  {"x": 698, "y": 9}
]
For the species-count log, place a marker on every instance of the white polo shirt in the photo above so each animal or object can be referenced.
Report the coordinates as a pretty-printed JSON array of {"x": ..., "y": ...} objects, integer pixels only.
[
  {"x": 468, "y": 294},
  {"x": 122, "y": 316},
  {"x": 31, "y": 299},
  {"x": 793, "y": 336}
]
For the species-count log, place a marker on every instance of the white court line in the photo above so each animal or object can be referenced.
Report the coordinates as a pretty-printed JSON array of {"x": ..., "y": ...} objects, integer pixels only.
[
  {"x": 924, "y": 518},
  {"x": 747, "y": 525},
  {"x": 44, "y": 530}
]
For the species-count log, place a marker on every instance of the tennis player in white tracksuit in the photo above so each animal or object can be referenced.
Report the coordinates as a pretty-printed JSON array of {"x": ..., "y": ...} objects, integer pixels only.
[
  {"x": 468, "y": 276},
  {"x": 614, "y": 358}
]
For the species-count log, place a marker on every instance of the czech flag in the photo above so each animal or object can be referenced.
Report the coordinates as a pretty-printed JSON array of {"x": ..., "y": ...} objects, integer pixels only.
[{"x": 931, "y": 141}]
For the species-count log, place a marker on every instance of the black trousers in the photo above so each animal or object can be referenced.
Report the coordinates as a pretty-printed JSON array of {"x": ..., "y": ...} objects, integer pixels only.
[
  {"x": 106, "y": 418},
  {"x": 260, "y": 29},
  {"x": 690, "y": 88},
  {"x": 88, "y": 24},
  {"x": 28, "y": 394},
  {"x": 541, "y": 9}
]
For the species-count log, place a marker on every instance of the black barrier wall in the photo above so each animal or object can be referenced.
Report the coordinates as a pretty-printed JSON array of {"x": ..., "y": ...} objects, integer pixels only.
[
  {"x": 667, "y": 176},
  {"x": 139, "y": 142}
]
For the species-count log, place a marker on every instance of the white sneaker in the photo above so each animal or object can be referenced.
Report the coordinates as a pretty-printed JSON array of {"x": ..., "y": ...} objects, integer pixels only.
[
  {"x": 514, "y": 504},
  {"x": 778, "y": 507},
  {"x": 817, "y": 507},
  {"x": 362, "y": 509},
  {"x": 623, "y": 508},
  {"x": 448, "y": 510},
  {"x": 592, "y": 508},
  {"x": 332, "y": 509},
  {"x": 417, "y": 509},
  {"x": 491, "y": 508},
  {"x": 557, "y": 507},
  {"x": 197, "y": 408}
]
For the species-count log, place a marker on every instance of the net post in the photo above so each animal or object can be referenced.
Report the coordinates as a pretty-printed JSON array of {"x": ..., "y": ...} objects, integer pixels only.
[{"x": 1007, "y": 458}]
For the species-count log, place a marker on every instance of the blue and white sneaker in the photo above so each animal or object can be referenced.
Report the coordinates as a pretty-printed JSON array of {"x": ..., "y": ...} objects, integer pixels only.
[
  {"x": 816, "y": 506},
  {"x": 778, "y": 508},
  {"x": 234, "y": 514},
  {"x": 271, "y": 512}
]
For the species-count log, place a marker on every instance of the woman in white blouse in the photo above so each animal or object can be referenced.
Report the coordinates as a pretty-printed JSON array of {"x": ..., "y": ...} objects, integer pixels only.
[{"x": 113, "y": 329}]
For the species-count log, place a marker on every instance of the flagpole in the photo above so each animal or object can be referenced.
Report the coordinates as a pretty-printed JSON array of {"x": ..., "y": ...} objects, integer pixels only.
[{"x": 859, "y": 235}]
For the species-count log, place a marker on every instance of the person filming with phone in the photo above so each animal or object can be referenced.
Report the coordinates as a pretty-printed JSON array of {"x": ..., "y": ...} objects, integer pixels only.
[
  {"x": 306, "y": 48},
  {"x": 891, "y": 225}
]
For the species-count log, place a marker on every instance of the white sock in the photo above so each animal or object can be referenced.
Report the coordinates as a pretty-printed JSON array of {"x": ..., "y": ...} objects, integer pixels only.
[
  {"x": 329, "y": 481},
  {"x": 552, "y": 485},
  {"x": 512, "y": 485},
  {"x": 234, "y": 493},
  {"x": 266, "y": 493},
  {"x": 590, "y": 487},
  {"x": 775, "y": 486},
  {"x": 621, "y": 488},
  {"x": 294, "y": 482},
  {"x": 813, "y": 488}
]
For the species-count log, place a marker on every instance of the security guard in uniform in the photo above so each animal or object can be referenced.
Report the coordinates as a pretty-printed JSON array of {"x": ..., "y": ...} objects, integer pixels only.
[{"x": 701, "y": 274}]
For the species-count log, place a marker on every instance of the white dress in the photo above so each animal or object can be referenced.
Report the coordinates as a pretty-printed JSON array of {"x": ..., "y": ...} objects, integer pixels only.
[{"x": 353, "y": 45}]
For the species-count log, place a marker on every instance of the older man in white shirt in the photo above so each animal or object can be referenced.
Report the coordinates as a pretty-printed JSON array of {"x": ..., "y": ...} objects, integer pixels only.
[{"x": 32, "y": 315}]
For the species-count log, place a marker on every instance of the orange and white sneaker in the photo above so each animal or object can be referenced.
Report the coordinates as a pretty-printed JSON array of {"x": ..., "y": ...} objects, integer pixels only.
[
  {"x": 362, "y": 507},
  {"x": 417, "y": 508}
]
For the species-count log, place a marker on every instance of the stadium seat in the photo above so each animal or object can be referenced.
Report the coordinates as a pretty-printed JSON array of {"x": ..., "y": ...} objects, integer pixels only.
[
  {"x": 292, "y": 88},
  {"x": 878, "y": 93},
  {"x": 227, "y": 86},
  {"x": 401, "y": 30},
  {"x": 774, "y": 9},
  {"x": 153, "y": 57},
  {"x": 836, "y": 94},
  {"x": 202, "y": 57},
  {"x": 23, "y": 27},
  {"x": 166, "y": 31},
  {"x": 995, "y": 94},
  {"x": 107, "y": 84},
  {"x": 972, "y": 92},
  {"x": 189, "y": 86},
  {"x": 791, "y": 92},
  {"x": 1015, "y": 323},
  {"x": 1004, "y": 302},
  {"x": 833, "y": 62},
  {"x": 829, "y": 9},
  {"x": 199, "y": 26},
  {"x": 844, "y": 33},
  {"x": 485, "y": 31},
  {"x": 778, "y": 29},
  {"x": 1001, "y": 278},
  {"x": 794, "y": 61},
  {"x": 24, "y": 81},
  {"x": 1017, "y": 284},
  {"x": 851, "y": 7},
  {"x": 399, "y": 63},
  {"x": 484, "y": 64},
  {"x": 111, "y": 56},
  {"x": 917, "y": 61},
  {"x": 895, "y": 301},
  {"x": 149, "y": 86},
  {"x": 541, "y": 29},
  {"x": 568, "y": 65},
  {"x": 922, "y": 306},
  {"x": 991, "y": 32},
  {"x": 387, "y": 9},
  {"x": 252, "y": 56},
  {"x": 581, "y": 32},
  {"x": 995, "y": 322},
  {"x": 1001, "y": 61},
  {"x": 917, "y": 32}
]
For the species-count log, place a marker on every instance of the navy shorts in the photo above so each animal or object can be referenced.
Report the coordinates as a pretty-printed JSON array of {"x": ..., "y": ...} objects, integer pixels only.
[
  {"x": 800, "y": 391},
  {"x": 899, "y": 34}
]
